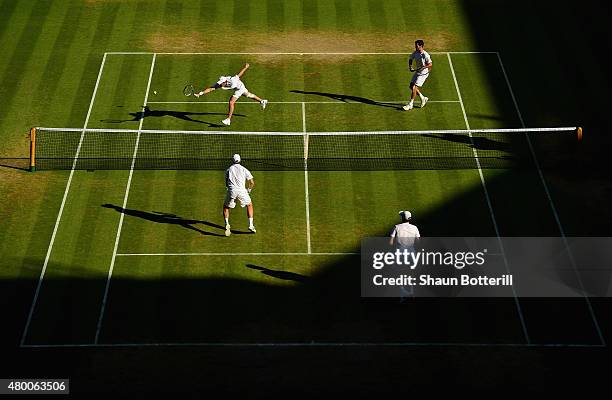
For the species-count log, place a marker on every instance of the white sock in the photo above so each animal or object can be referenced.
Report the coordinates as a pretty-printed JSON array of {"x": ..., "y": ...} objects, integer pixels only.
[
  {"x": 411, "y": 101},
  {"x": 422, "y": 97},
  {"x": 226, "y": 221},
  {"x": 250, "y": 221}
]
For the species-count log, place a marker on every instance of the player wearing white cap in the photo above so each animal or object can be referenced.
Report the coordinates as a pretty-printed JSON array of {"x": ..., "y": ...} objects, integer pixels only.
[
  {"x": 236, "y": 177},
  {"x": 405, "y": 234},
  {"x": 423, "y": 67},
  {"x": 233, "y": 83}
]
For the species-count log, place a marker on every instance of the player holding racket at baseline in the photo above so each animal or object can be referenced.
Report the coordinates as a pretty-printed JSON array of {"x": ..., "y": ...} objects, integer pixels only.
[{"x": 233, "y": 83}]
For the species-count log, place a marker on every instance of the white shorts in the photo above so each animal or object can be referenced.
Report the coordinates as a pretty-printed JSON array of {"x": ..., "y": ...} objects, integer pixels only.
[
  {"x": 418, "y": 79},
  {"x": 241, "y": 91},
  {"x": 241, "y": 195}
]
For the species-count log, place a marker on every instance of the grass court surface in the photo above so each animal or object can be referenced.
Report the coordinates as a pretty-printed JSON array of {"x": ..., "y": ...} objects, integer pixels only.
[
  {"x": 172, "y": 277},
  {"x": 101, "y": 263}
]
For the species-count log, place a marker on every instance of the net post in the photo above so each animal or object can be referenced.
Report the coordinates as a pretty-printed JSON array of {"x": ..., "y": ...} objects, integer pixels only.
[
  {"x": 579, "y": 133},
  {"x": 33, "y": 150}
]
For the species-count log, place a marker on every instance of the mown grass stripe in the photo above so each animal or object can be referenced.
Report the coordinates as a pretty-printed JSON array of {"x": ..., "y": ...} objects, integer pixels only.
[
  {"x": 310, "y": 13},
  {"x": 14, "y": 26},
  {"x": 275, "y": 13},
  {"x": 128, "y": 25},
  {"x": 378, "y": 17},
  {"x": 241, "y": 14},
  {"x": 21, "y": 58},
  {"x": 7, "y": 8},
  {"x": 56, "y": 63},
  {"x": 103, "y": 28},
  {"x": 21, "y": 109},
  {"x": 208, "y": 12},
  {"x": 344, "y": 15}
]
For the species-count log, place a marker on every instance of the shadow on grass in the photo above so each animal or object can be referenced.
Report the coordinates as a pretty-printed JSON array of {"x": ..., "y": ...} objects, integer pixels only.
[
  {"x": 351, "y": 99},
  {"x": 183, "y": 115},
  {"x": 22, "y": 164},
  {"x": 173, "y": 219},
  {"x": 478, "y": 143},
  {"x": 283, "y": 275}
]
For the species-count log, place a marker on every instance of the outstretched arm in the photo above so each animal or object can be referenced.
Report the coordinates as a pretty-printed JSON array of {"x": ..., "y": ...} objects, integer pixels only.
[
  {"x": 243, "y": 70},
  {"x": 207, "y": 90}
]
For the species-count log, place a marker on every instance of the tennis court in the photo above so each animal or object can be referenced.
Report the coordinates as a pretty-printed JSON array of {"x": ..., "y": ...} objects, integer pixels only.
[{"x": 138, "y": 256}]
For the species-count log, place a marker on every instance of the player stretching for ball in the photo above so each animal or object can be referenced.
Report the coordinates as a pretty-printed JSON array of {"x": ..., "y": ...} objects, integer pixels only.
[
  {"x": 235, "y": 177},
  {"x": 423, "y": 67},
  {"x": 233, "y": 83}
]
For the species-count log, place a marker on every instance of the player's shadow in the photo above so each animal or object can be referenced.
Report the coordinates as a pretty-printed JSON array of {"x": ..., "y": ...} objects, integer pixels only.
[
  {"x": 183, "y": 115},
  {"x": 352, "y": 99},
  {"x": 165, "y": 218},
  {"x": 479, "y": 143},
  {"x": 284, "y": 275}
]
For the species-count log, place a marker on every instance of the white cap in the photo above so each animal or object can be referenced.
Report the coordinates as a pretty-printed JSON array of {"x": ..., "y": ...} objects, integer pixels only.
[
  {"x": 405, "y": 214},
  {"x": 223, "y": 79},
  {"x": 236, "y": 158}
]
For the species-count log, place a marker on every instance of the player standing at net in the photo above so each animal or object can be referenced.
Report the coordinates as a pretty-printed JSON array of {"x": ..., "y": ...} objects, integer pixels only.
[
  {"x": 233, "y": 83},
  {"x": 236, "y": 176},
  {"x": 423, "y": 67}
]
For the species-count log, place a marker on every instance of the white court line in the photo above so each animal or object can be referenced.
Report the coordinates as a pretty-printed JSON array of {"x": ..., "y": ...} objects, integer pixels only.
[
  {"x": 300, "y": 102},
  {"x": 552, "y": 204},
  {"x": 295, "y": 53},
  {"x": 230, "y": 254},
  {"x": 125, "y": 200},
  {"x": 306, "y": 193},
  {"x": 488, "y": 199},
  {"x": 61, "y": 210}
]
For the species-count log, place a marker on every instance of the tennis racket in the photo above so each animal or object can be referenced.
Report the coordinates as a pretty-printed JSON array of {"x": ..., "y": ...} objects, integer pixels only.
[{"x": 188, "y": 90}]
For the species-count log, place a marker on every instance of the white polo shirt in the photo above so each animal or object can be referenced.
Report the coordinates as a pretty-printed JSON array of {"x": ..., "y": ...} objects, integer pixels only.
[
  {"x": 235, "y": 83},
  {"x": 422, "y": 59},
  {"x": 236, "y": 176},
  {"x": 405, "y": 234}
]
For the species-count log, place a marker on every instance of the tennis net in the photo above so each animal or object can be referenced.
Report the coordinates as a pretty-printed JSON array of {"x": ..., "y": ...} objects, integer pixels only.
[{"x": 91, "y": 149}]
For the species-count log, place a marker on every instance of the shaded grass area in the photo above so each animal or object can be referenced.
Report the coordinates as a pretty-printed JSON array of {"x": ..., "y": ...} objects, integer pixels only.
[
  {"x": 545, "y": 98},
  {"x": 326, "y": 369}
]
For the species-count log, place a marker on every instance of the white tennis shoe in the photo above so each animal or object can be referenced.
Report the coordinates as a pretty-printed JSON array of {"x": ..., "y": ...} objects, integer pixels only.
[
  {"x": 264, "y": 103},
  {"x": 252, "y": 229},
  {"x": 227, "y": 230},
  {"x": 227, "y": 121},
  {"x": 424, "y": 101},
  {"x": 407, "y": 107}
]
